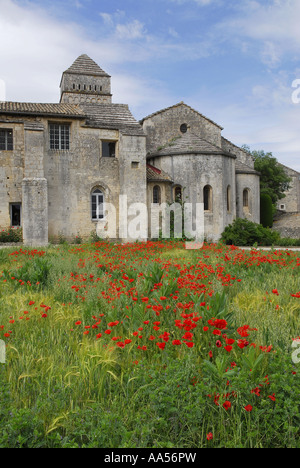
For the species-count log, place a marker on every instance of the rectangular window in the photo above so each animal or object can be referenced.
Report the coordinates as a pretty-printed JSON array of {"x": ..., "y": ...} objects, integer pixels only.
[
  {"x": 97, "y": 205},
  {"x": 6, "y": 140},
  {"x": 108, "y": 149},
  {"x": 59, "y": 136},
  {"x": 15, "y": 214}
]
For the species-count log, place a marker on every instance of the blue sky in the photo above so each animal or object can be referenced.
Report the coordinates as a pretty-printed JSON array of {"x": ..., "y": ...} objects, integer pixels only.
[{"x": 234, "y": 61}]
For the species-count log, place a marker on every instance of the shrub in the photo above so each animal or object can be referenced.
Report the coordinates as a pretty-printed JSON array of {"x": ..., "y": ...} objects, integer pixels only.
[
  {"x": 266, "y": 210},
  {"x": 11, "y": 235},
  {"x": 246, "y": 233}
]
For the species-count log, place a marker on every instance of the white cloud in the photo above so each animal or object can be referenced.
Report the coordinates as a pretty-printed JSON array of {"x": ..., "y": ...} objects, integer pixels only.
[
  {"x": 38, "y": 48},
  {"x": 273, "y": 26},
  {"x": 198, "y": 2},
  {"x": 132, "y": 30}
]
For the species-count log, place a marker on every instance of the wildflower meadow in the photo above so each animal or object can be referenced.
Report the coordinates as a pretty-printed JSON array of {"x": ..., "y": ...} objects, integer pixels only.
[{"x": 149, "y": 345}]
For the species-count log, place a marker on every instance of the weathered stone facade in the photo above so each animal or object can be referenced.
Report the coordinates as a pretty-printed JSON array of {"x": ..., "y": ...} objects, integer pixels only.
[
  {"x": 62, "y": 164},
  {"x": 291, "y": 202}
]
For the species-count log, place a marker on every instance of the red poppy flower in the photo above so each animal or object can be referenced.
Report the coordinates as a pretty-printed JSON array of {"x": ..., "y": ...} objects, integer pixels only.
[
  {"x": 161, "y": 345},
  {"x": 176, "y": 343},
  {"x": 210, "y": 436},
  {"x": 248, "y": 408},
  {"x": 227, "y": 405}
]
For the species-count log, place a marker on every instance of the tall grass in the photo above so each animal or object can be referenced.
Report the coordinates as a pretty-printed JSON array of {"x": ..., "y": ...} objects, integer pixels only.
[{"x": 74, "y": 389}]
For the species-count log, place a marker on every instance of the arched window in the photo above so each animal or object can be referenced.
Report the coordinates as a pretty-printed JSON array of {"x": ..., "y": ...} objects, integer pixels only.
[
  {"x": 228, "y": 199},
  {"x": 97, "y": 201},
  {"x": 246, "y": 198},
  {"x": 208, "y": 198},
  {"x": 156, "y": 194},
  {"x": 178, "y": 194}
]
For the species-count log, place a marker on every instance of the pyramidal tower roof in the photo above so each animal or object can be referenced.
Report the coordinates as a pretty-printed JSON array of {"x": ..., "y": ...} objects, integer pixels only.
[{"x": 84, "y": 65}]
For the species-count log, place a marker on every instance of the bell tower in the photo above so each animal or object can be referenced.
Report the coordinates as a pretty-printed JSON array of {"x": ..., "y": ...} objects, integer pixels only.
[{"x": 85, "y": 83}]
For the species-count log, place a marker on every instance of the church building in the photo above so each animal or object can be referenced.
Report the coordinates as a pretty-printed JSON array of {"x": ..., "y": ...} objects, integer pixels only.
[{"x": 62, "y": 166}]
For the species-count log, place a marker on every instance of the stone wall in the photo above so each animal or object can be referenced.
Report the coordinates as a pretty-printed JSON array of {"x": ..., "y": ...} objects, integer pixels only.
[
  {"x": 193, "y": 172},
  {"x": 252, "y": 183},
  {"x": 288, "y": 225},
  {"x": 11, "y": 171},
  {"x": 165, "y": 125},
  {"x": 241, "y": 155},
  {"x": 291, "y": 202}
]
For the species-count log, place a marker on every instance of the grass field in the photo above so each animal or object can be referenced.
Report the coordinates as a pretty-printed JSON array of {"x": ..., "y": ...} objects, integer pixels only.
[{"x": 149, "y": 345}]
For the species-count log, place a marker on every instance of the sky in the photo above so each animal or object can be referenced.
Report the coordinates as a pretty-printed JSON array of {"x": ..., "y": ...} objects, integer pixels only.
[{"x": 237, "y": 62}]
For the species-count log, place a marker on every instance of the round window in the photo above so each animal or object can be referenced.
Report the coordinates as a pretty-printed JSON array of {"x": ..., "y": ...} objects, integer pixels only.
[{"x": 183, "y": 128}]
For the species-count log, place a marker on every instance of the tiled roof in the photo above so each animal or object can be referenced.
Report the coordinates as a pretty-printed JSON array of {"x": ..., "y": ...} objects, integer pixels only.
[
  {"x": 113, "y": 117},
  {"x": 189, "y": 143},
  {"x": 107, "y": 116},
  {"x": 84, "y": 65},
  {"x": 177, "y": 105},
  {"x": 241, "y": 168},
  {"x": 157, "y": 175},
  {"x": 27, "y": 108}
]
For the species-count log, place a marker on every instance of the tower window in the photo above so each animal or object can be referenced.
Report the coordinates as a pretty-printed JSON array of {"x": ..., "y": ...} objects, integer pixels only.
[
  {"x": 59, "y": 136},
  {"x": 6, "y": 140}
]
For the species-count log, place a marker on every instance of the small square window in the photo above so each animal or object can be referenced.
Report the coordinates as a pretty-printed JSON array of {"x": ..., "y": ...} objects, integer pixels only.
[
  {"x": 135, "y": 164},
  {"x": 108, "y": 149}
]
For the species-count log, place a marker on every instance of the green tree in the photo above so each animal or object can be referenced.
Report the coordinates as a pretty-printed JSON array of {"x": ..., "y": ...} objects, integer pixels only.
[
  {"x": 266, "y": 211},
  {"x": 273, "y": 180}
]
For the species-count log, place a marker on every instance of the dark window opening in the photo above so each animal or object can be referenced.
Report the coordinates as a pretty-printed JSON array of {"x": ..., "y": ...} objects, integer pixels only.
[
  {"x": 246, "y": 198},
  {"x": 228, "y": 199},
  {"x": 207, "y": 196},
  {"x": 15, "y": 214},
  {"x": 184, "y": 128},
  {"x": 108, "y": 149},
  {"x": 6, "y": 140},
  {"x": 135, "y": 164},
  {"x": 178, "y": 194},
  {"x": 59, "y": 137},
  {"x": 156, "y": 195}
]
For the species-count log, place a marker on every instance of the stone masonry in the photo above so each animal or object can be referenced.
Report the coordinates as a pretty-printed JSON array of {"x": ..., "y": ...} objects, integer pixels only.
[{"x": 65, "y": 168}]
